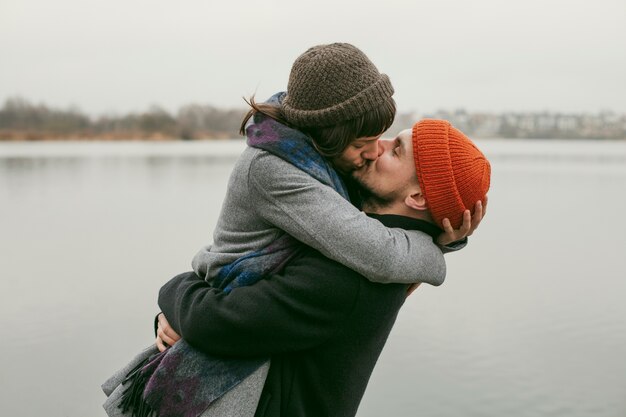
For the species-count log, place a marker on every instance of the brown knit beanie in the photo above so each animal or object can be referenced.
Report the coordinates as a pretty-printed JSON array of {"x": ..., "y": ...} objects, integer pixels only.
[
  {"x": 452, "y": 172},
  {"x": 331, "y": 84}
]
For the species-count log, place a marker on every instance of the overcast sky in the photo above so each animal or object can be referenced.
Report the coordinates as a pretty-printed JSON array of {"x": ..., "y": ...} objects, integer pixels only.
[{"x": 483, "y": 55}]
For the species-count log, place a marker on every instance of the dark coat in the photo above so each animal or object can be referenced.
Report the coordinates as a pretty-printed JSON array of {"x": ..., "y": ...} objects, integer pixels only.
[{"x": 322, "y": 324}]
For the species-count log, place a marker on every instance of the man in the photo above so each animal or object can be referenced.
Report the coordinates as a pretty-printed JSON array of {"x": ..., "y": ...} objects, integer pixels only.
[{"x": 322, "y": 324}]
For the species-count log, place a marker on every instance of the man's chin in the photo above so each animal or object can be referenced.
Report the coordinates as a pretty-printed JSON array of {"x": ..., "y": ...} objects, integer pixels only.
[
  {"x": 371, "y": 199},
  {"x": 360, "y": 177}
]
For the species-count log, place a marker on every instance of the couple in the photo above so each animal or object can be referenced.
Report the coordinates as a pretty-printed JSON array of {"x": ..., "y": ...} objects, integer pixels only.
[{"x": 298, "y": 274}]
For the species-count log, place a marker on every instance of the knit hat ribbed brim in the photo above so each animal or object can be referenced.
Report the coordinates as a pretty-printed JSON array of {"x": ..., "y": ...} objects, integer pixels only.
[
  {"x": 452, "y": 172},
  {"x": 331, "y": 84}
]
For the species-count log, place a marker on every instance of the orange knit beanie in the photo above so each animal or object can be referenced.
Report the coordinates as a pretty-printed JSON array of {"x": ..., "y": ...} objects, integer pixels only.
[{"x": 453, "y": 174}]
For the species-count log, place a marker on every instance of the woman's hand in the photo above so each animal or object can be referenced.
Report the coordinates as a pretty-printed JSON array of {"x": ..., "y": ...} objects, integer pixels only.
[
  {"x": 470, "y": 224},
  {"x": 166, "y": 336}
]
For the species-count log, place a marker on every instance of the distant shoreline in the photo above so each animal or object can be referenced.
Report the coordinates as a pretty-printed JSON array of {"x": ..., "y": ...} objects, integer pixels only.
[{"x": 21, "y": 120}]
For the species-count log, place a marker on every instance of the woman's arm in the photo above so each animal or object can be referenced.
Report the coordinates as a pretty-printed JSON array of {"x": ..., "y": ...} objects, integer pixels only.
[{"x": 317, "y": 215}]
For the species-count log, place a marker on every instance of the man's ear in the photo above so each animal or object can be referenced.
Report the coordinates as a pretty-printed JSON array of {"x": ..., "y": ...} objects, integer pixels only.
[{"x": 416, "y": 201}]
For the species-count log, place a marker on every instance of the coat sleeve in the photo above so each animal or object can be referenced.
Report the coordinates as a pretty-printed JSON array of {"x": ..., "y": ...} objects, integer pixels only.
[
  {"x": 276, "y": 315},
  {"x": 317, "y": 215}
]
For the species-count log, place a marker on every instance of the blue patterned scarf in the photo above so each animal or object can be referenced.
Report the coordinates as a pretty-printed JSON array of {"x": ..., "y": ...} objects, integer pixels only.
[{"x": 183, "y": 382}]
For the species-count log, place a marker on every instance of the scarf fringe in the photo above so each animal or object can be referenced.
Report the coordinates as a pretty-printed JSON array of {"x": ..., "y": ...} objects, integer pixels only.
[{"x": 132, "y": 398}]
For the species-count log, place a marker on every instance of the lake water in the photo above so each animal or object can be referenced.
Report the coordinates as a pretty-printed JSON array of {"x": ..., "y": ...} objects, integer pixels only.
[{"x": 530, "y": 322}]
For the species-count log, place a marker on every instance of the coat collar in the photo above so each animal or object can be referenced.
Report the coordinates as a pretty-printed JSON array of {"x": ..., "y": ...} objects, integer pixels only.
[{"x": 407, "y": 223}]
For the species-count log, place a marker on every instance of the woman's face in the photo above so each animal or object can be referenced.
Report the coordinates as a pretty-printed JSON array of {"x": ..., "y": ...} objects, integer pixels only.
[{"x": 357, "y": 154}]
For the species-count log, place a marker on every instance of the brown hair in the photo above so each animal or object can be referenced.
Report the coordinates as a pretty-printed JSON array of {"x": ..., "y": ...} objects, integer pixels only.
[{"x": 331, "y": 141}]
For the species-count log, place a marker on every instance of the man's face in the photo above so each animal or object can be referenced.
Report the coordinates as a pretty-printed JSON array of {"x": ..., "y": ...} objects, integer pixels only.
[
  {"x": 388, "y": 176},
  {"x": 357, "y": 154}
]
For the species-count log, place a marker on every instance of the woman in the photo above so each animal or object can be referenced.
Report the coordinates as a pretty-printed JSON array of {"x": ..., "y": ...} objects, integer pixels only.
[{"x": 337, "y": 101}]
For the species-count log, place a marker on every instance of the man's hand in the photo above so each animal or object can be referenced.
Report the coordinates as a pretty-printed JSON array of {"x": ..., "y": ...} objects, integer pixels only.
[
  {"x": 166, "y": 336},
  {"x": 470, "y": 223}
]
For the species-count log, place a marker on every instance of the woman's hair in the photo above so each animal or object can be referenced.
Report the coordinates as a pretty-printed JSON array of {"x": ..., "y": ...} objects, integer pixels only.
[{"x": 331, "y": 141}]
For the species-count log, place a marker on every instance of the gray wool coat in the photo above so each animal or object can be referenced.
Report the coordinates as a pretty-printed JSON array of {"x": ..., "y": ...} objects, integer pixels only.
[{"x": 267, "y": 195}]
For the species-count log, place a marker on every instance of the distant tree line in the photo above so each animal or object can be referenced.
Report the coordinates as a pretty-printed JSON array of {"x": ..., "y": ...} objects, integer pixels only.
[{"x": 22, "y": 120}]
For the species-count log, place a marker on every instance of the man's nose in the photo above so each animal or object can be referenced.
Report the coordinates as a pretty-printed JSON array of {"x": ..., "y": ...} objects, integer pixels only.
[
  {"x": 384, "y": 144},
  {"x": 372, "y": 151}
]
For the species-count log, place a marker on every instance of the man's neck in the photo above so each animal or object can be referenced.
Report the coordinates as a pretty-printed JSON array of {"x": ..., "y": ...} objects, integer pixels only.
[{"x": 399, "y": 209}]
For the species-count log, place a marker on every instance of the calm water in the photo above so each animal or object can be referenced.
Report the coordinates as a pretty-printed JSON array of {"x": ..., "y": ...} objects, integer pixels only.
[{"x": 531, "y": 320}]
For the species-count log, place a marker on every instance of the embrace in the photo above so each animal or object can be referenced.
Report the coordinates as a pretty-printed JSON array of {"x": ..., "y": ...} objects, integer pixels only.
[{"x": 325, "y": 230}]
